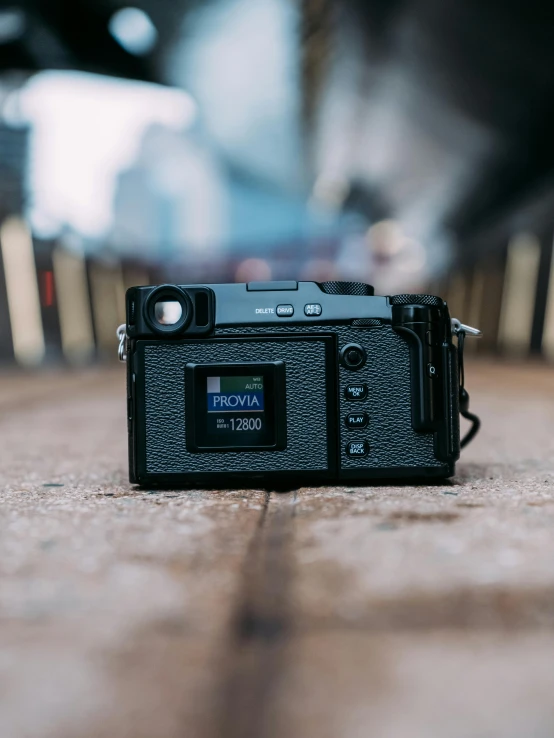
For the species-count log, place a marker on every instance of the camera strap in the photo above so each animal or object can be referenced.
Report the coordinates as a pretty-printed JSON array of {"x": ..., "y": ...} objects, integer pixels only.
[
  {"x": 122, "y": 346},
  {"x": 461, "y": 331}
]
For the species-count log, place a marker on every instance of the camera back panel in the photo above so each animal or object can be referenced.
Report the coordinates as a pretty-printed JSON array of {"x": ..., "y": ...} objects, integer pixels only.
[
  {"x": 310, "y": 404},
  {"x": 386, "y": 374}
]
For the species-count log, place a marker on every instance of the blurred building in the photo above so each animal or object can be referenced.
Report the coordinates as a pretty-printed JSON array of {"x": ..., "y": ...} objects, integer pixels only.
[{"x": 407, "y": 144}]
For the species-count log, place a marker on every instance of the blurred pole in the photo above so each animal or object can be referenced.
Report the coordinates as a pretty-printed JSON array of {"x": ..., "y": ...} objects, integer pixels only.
[
  {"x": 134, "y": 276},
  {"x": 48, "y": 299},
  {"x": 74, "y": 306},
  {"x": 108, "y": 305},
  {"x": 22, "y": 291},
  {"x": 475, "y": 297},
  {"x": 548, "y": 332},
  {"x": 543, "y": 281},
  {"x": 6, "y": 340},
  {"x": 456, "y": 294},
  {"x": 518, "y": 298},
  {"x": 488, "y": 319}
]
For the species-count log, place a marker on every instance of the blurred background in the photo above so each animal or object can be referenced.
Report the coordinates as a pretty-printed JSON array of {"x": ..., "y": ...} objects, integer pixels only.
[{"x": 406, "y": 143}]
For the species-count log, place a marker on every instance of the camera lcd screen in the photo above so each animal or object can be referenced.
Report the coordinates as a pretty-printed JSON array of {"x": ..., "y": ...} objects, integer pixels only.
[
  {"x": 235, "y": 406},
  {"x": 236, "y": 410}
]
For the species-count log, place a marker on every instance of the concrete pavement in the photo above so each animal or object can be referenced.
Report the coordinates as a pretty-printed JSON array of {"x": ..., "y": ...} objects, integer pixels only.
[{"x": 385, "y": 611}]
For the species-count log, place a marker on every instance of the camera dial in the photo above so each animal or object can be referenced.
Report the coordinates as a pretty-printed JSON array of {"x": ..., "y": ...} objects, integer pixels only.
[{"x": 347, "y": 288}]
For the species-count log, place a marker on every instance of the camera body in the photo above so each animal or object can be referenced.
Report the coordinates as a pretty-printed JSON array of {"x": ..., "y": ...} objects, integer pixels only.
[{"x": 288, "y": 382}]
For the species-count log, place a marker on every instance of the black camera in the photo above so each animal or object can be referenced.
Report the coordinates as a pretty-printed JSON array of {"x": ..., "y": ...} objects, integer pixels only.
[{"x": 290, "y": 381}]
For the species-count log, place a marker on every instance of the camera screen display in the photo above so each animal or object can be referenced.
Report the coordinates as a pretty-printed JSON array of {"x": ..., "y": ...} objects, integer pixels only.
[
  {"x": 236, "y": 406},
  {"x": 236, "y": 410}
]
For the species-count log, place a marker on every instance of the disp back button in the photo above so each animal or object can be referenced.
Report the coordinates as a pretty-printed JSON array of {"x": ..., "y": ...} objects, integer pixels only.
[{"x": 357, "y": 448}]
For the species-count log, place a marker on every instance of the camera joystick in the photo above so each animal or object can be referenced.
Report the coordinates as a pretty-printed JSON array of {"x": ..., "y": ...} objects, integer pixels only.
[{"x": 352, "y": 356}]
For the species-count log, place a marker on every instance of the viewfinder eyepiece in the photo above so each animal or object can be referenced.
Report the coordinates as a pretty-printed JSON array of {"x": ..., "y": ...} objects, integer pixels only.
[
  {"x": 168, "y": 312},
  {"x": 168, "y": 309}
]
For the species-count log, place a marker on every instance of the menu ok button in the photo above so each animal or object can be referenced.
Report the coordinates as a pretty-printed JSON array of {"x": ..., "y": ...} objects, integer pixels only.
[{"x": 356, "y": 392}]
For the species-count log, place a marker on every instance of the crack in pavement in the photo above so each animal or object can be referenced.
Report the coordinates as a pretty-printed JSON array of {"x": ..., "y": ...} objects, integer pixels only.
[{"x": 260, "y": 625}]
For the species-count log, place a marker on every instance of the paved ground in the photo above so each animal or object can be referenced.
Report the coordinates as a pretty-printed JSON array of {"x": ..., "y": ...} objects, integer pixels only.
[{"x": 337, "y": 612}]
